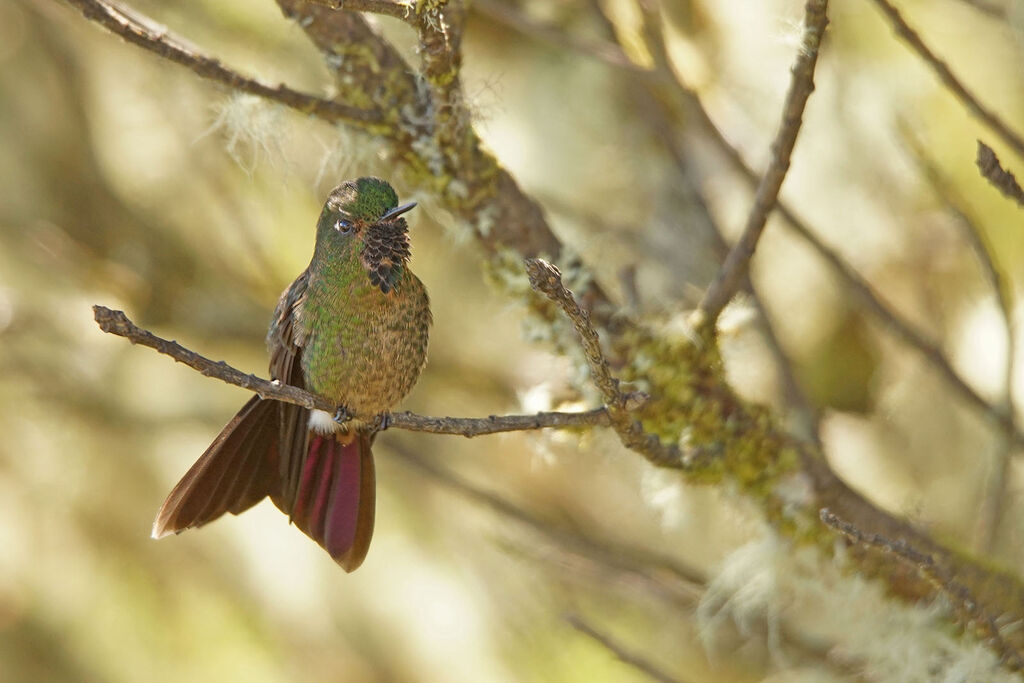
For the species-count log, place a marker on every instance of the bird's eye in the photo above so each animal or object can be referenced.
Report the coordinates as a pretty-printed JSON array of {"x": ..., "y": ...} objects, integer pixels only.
[{"x": 343, "y": 226}]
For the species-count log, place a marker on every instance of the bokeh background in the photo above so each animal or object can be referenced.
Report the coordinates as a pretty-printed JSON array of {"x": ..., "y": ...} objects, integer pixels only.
[{"x": 126, "y": 181}]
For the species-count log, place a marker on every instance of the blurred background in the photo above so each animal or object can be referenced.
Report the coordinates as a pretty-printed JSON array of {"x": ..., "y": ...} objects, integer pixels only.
[{"x": 128, "y": 182}]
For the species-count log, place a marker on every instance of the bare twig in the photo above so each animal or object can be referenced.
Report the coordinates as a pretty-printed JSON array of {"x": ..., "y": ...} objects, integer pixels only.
[
  {"x": 116, "y": 322},
  {"x": 997, "y": 176},
  {"x": 496, "y": 424},
  {"x": 863, "y": 293},
  {"x": 651, "y": 568},
  {"x": 952, "y": 83},
  {"x": 621, "y": 653},
  {"x": 546, "y": 279},
  {"x": 990, "y": 9},
  {"x": 993, "y": 500},
  {"x": 666, "y": 578},
  {"x": 968, "y": 609},
  {"x": 737, "y": 263},
  {"x": 387, "y": 8},
  {"x": 603, "y": 51},
  {"x": 671, "y": 582},
  {"x": 166, "y": 46},
  {"x": 976, "y": 238},
  {"x": 658, "y": 114}
]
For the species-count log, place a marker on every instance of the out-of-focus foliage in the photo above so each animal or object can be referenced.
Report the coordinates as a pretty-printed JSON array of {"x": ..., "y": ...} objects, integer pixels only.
[{"x": 126, "y": 181}]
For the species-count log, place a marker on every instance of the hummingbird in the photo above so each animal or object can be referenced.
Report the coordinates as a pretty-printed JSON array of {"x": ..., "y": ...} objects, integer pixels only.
[{"x": 353, "y": 328}]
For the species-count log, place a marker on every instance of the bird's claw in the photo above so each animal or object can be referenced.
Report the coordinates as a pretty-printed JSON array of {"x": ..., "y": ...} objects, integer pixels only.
[
  {"x": 382, "y": 422},
  {"x": 342, "y": 416}
]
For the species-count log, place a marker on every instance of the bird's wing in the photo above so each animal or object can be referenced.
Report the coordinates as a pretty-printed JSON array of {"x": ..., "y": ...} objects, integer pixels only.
[{"x": 285, "y": 340}]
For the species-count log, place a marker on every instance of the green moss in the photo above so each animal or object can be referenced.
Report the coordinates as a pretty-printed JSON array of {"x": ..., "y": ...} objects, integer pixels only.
[{"x": 429, "y": 6}]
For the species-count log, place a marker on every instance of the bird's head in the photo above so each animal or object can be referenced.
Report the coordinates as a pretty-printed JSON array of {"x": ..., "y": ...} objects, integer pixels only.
[{"x": 362, "y": 219}]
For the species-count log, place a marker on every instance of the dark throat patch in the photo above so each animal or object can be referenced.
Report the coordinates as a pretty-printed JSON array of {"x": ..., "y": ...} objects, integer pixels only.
[{"x": 385, "y": 253}]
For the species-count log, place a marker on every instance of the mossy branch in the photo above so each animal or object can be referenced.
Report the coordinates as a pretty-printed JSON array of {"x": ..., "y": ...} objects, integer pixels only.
[{"x": 427, "y": 130}]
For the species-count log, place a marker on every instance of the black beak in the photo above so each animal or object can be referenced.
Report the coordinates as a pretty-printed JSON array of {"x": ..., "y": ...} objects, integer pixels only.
[{"x": 398, "y": 211}]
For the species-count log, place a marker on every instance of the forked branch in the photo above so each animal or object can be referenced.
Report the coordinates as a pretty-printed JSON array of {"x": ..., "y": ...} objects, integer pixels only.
[{"x": 737, "y": 263}]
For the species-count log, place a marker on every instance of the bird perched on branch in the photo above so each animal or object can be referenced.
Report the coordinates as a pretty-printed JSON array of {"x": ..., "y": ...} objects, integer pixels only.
[{"x": 353, "y": 328}]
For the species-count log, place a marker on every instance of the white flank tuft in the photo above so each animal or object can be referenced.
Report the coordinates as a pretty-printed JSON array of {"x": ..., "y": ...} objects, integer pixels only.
[{"x": 322, "y": 422}]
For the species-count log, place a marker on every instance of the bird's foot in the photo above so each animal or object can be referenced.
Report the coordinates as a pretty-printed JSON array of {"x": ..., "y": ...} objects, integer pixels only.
[
  {"x": 342, "y": 416},
  {"x": 382, "y": 422}
]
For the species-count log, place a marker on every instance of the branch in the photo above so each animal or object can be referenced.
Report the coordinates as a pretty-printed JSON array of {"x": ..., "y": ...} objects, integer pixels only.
[
  {"x": 994, "y": 498},
  {"x": 430, "y": 133},
  {"x": 989, "y": 9},
  {"x": 387, "y": 8},
  {"x": 1000, "y": 178},
  {"x": 369, "y": 70},
  {"x": 750, "y": 451},
  {"x": 547, "y": 280},
  {"x": 737, "y": 263},
  {"x": 168, "y": 47},
  {"x": 653, "y": 569},
  {"x": 674, "y": 584},
  {"x": 624, "y": 655},
  {"x": 952, "y": 83},
  {"x": 658, "y": 114},
  {"x": 116, "y": 322},
  {"x": 892, "y": 321},
  {"x": 602, "y": 51},
  {"x": 968, "y": 609},
  {"x": 440, "y": 35},
  {"x": 863, "y": 293}
]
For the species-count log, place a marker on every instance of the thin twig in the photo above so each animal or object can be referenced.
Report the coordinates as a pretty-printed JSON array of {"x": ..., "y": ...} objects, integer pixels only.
[
  {"x": 665, "y": 577},
  {"x": 116, "y": 322},
  {"x": 994, "y": 499},
  {"x": 990, "y": 9},
  {"x": 984, "y": 251},
  {"x": 600, "y": 50},
  {"x": 547, "y": 280},
  {"x": 650, "y": 567},
  {"x": 658, "y": 114},
  {"x": 997, "y": 176},
  {"x": 737, "y": 263},
  {"x": 952, "y": 83},
  {"x": 168, "y": 47},
  {"x": 968, "y": 609},
  {"x": 904, "y": 330},
  {"x": 670, "y": 582},
  {"x": 863, "y": 293},
  {"x": 387, "y": 8},
  {"x": 621, "y": 653}
]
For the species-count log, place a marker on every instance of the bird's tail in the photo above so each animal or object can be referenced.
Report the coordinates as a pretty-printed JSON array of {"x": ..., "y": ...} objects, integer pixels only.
[
  {"x": 335, "y": 497},
  {"x": 237, "y": 471}
]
